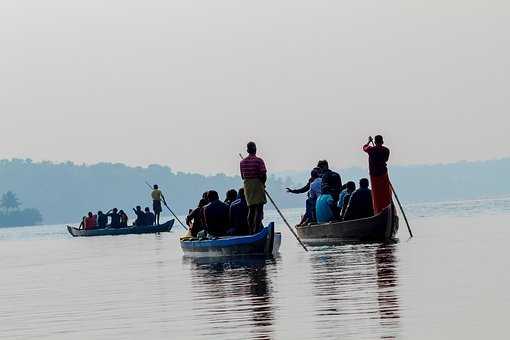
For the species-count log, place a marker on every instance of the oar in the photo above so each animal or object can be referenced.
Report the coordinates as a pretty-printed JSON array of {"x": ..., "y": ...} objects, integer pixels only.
[
  {"x": 401, "y": 209},
  {"x": 171, "y": 211},
  {"x": 283, "y": 217}
]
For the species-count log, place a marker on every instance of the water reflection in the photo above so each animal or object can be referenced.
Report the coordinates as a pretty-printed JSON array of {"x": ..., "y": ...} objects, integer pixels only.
[
  {"x": 356, "y": 291},
  {"x": 233, "y": 295}
]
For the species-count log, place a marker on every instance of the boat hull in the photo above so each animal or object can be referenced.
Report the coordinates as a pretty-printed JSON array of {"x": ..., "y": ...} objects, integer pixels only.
[
  {"x": 264, "y": 243},
  {"x": 134, "y": 230},
  {"x": 379, "y": 228}
]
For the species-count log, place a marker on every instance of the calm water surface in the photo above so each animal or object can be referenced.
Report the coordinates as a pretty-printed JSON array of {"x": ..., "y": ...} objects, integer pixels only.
[{"x": 449, "y": 282}]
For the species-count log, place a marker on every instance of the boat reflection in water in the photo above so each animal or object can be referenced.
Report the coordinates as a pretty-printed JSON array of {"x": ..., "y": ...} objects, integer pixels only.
[
  {"x": 236, "y": 294},
  {"x": 356, "y": 291}
]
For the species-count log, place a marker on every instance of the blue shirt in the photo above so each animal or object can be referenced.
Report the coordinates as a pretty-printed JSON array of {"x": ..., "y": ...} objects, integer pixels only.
[
  {"x": 315, "y": 189},
  {"x": 323, "y": 208}
]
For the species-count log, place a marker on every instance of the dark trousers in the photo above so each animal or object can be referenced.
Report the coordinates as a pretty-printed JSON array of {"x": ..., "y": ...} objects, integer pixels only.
[{"x": 255, "y": 217}]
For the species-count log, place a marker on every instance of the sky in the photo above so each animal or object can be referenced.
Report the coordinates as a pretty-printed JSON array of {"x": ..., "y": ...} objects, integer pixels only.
[{"x": 188, "y": 83}]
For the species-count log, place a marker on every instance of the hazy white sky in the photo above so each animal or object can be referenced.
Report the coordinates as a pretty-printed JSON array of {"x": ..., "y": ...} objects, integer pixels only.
[{"x": 188, "y": 83}]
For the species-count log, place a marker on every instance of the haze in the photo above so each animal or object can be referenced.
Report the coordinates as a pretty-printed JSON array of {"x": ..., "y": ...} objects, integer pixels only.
[{"x": 188, "y": 83}]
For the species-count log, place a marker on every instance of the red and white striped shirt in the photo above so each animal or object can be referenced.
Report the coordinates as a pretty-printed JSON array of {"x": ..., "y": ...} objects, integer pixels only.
[{"x": 252, "y": 167}]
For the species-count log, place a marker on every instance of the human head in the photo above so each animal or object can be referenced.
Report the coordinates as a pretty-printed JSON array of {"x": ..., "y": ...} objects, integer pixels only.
[
  {"x": 316, "y": 172},
  {"x": 147, "y": 209},
  {"x": 90, "y": 214},
  {"x": 100, "y": 213},
  {"x": 323, "y": 165},
  {"x": 251, "y": 148},
  {"x": 212, "y": 196},
  {"x": 363, "y": 183},
  {"x": 138, "y": 207},
  {"x": 378, "y": 140},
  {"x": 122, "y": 212},
  {"x": 203, "y": 202},
  {"x": 241, "y": 193},
  {"x": 231, "y": 195},
  {"x": 351, "y": 186},
  {"x": 156, "y": 187},
  {"x": 115, "y": 210}
]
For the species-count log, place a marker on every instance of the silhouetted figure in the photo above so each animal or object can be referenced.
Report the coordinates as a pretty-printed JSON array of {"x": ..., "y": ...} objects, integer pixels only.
[
  {"x": 157, "y": 197},
  {"x": 231, "y": 196},
  {"x": 102, "y": 220},
  {"x": 254, "y": 175},
  {"x": 331, "y": 185},
  {"x": 313, "y": 187},
  {"x": 360, "y": 204},
  {"x": 114, "y": 218},
  {"x": 195, "y": 219},
  {"x": 90, "y": 221},
  {"x": 150, "y": 218},
  {"x": 239, "y": 216},
  {"x": 216, "y": 215},
  {"x": 123, "y": 219},
  {"x": 140, "y": 216},
  {"x": 345, "y": 197},
  {"x": 378, "y": 156}
]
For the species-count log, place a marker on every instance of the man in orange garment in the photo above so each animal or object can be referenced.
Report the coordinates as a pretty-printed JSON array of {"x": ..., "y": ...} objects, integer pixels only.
[{"x": 378, "y": 156}]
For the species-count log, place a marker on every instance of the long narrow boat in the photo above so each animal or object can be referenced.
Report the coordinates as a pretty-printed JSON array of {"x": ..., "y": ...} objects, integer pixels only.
[
  {"x": 149, "y": 229},
  {"x": 265, "y": 243},
  {"x": 382, "y": 227}
]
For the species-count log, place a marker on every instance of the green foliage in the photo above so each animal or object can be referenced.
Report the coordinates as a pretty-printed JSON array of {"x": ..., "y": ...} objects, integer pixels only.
[{"x": 9, "y": 201}]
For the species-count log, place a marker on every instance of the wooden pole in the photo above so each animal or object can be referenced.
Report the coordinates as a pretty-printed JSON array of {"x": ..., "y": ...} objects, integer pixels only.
[
  {"x": 401, "y": 209},
  {"x": 283, "y": 217}
]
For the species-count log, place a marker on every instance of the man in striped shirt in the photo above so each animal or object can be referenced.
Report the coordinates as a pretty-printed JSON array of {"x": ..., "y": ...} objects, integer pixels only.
[{"x": 254, "y": 175}]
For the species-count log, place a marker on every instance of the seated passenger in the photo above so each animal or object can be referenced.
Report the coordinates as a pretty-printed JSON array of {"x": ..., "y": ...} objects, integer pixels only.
[
  {"x": 114, "y": 218},
  {"x": 230, "y": 197},
  {"x": 239, "y": 216},
  {"x": 123, "y": 219},
  {"x": 102, "y": 220},
  {"x": 345, "y": 196},
  {"x": 325, "y": 208},
  {"x": 313, "y": 187},
  {"x": 140, "y": 216},
  {"x": 215, "y": 215},
  {"x": 195, "y": 218},
  {"x": 90, "y": 221},
  {"x": 360, "y": 204},
  {"x": 150, "y": 218}
]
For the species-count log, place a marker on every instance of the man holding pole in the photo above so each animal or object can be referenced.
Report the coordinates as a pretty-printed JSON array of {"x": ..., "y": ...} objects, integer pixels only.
[
  {"x": 378, "y": 156},
  {"x": 157, "y": 196},
  {"x": 254, "y": 175}
]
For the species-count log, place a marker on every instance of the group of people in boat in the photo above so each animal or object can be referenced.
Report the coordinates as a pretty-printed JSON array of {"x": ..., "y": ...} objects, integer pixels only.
[
  {"x": 242, "y": 211},
  {"x": 328, "y": 200},
  {"x": 115, "y": 218}
]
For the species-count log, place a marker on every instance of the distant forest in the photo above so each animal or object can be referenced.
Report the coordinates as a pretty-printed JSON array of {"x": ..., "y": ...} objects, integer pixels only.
[{"x": 64, "y": 192}]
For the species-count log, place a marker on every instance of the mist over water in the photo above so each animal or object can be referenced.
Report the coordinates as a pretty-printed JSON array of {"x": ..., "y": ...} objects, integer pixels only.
[{"x": 450, "y": 281}]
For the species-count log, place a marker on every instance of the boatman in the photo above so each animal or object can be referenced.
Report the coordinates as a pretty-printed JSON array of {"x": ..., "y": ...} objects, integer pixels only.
[
  {"x": 254, "y": 175},
  {"x": 378, "y": 156},
  {"x": 157, "y": 197}
]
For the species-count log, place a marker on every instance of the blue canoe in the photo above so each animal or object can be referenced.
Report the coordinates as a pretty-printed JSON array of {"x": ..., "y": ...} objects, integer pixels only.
[
  {"x": 149, "y": 229},
  {"x": 265, "y": 243}
]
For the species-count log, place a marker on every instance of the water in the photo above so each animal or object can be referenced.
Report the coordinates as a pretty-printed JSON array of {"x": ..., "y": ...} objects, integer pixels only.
[{"x": 450, "y": 281}]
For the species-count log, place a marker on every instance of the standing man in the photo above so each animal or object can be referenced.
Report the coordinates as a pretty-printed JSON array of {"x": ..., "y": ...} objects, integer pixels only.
[
  {"x": 378, "y": 156},
  {"x": 254, "y": 175},
  {"x": 157, "y": 197}
]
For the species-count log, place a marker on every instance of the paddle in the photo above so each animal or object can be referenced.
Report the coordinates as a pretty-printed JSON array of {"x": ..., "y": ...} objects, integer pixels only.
[
  {"x": 171, "y": 211},
  {"x": 401, "y": 209},
  {"x": 283, "y": 217}
]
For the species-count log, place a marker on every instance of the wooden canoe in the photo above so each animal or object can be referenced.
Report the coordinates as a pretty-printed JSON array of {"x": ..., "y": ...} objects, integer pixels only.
[
  {"x": 382, "y": 227},
  {"x": 149, "y": 229},
  {"x": 264, "y": 243}
]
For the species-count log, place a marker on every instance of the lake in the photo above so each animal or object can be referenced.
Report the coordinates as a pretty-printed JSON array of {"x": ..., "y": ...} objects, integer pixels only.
[{"x": 449, "y": 282}]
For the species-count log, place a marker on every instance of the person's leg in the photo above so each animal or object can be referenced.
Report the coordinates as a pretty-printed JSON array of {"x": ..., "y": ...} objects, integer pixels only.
[
  {"x": 251, "y": 218},
  {"x": 259, "y": 217}
]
